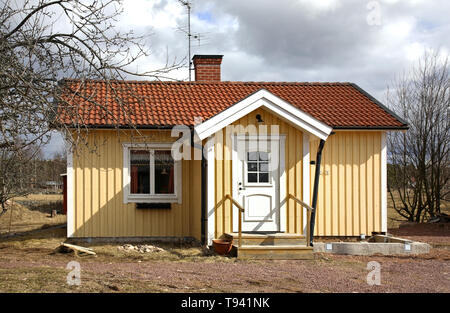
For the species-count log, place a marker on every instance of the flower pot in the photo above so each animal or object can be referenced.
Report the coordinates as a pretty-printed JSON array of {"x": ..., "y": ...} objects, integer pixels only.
[{"x": 222, "y": 247}]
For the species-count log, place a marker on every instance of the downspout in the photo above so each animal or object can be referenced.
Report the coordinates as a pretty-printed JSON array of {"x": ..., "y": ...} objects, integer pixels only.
[
  {"x": 204, "y": 199},
  {"x": 315, "y": 191}
]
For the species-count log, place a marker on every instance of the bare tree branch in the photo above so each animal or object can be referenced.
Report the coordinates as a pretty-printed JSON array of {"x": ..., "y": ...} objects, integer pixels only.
[
  {"x": 419, "y": 169},
  {"x": 43, "y": 42}
]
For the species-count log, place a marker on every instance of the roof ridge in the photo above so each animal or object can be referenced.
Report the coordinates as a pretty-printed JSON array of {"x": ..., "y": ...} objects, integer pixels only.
[{"x": 211, "y": 82}]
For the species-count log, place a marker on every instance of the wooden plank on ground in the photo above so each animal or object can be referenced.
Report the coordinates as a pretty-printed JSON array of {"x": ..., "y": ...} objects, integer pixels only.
[{"x": 78, "y": 248}]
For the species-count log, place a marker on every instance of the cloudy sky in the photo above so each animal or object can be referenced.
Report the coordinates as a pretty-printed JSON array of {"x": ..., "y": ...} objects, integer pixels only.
[{"x": 361, "y": 41}]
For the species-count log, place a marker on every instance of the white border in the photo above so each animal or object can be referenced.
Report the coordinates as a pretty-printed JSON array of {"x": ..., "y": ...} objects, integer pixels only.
[
  {"x": 127, "y": 198},
  {"x": 264, "y": 98},
  {"x": 306, "y": 179},
  {"x": 281, "y": 173},
  {"x": 211, "y": 208},
  {"x": 383, "y": 183},
  {"x": 70, "y": 195}
]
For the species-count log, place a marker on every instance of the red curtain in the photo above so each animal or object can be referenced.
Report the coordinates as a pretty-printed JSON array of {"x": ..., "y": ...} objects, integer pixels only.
[
  {"x": 170, "y": 187},
  {"x": 134, "y": 179}
]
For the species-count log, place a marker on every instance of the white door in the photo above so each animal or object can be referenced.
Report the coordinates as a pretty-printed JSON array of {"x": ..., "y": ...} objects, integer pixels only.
[{"x": 257, "y": 178}]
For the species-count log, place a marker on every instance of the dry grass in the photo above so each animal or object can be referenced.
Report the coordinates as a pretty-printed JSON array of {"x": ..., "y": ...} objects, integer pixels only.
[
  {"x": 31, "y": 213},
  {"x": 41, "y": 264},
  {"x": 48, "y": 240},
  {"x": 31, "y": 279},
  {"x": 41, "y": 197},
  {"x": 395, "y": 219},
  {"x": 53, "y": 280},
  {"x": 171, "y": 253}
]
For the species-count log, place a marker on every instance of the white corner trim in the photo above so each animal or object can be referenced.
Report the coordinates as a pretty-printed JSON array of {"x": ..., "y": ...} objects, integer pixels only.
[
  {"x": 211, "y": 208},
  {"x": 306, "y": 179},
  {"x": 383, "y": 183},
  {"x": 70, "y": 195},
  {"x": 263, "y": 98}
]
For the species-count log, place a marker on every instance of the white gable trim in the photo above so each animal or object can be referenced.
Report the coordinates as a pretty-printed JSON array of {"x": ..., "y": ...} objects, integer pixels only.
[{"x": 263, "y": 98}]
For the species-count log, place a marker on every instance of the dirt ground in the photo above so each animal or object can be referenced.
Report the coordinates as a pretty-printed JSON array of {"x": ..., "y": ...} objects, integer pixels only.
[{"x": 30, "y": 262}]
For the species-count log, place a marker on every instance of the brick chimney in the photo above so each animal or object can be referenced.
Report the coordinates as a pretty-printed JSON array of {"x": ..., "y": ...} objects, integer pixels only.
[{"x": 207, "y": 67}]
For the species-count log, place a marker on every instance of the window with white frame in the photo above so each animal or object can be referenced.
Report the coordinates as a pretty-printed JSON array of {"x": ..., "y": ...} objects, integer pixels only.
[{"x": 151, "y": 174}]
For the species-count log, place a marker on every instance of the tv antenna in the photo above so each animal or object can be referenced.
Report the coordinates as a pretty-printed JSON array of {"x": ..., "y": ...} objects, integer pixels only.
[{"x": 190, "y": 35}]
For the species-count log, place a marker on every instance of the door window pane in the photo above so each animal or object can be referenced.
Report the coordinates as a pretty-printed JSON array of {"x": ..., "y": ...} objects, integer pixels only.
[
  {"x": 252, "y": 177},
  {"x": 257, "y": 167},
  {"x": 164, "y": 172},
  {"x": 252, "y": 156},
  {"x": 140, "y": 171},
  {"x": 263, "y": 156},
  {"x": 263, "y": 177},
  {"x": 264, "y": 167},
  {"x": 252, "y": 167}
]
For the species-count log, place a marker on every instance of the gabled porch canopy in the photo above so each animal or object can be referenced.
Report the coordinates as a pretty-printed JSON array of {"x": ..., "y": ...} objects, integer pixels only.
[{"x": 266, "y": 99}]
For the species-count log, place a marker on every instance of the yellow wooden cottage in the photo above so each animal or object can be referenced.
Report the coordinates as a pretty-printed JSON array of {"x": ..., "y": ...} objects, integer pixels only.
[{"x": 209, "y": 159}]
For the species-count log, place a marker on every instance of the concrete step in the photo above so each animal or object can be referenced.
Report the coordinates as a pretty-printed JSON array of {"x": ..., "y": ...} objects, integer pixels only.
[
  {"x": 274, "y": 239},
  {"x": 278, "y": 252}
]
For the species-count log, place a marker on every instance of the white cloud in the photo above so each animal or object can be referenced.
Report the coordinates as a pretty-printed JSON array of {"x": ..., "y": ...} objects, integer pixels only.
[
  {"x": 414, "y": 51},
  {"x": 399, "y": 29},
  {"x": 320, "y": 6}
]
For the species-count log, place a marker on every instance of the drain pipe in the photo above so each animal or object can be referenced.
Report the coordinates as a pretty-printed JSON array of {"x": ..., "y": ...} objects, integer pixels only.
[
  {"x": 315, "y": 191},
  {"x": 204, "y": 199},
  {"x": 204, "y": 166}
]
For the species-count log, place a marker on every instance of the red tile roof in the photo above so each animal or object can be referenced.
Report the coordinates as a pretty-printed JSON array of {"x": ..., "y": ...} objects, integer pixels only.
[{"x": 98, "y": 103}]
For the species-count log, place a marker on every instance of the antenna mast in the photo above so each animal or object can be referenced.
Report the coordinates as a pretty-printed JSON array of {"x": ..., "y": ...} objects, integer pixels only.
[{"x": 188, "y": 6}]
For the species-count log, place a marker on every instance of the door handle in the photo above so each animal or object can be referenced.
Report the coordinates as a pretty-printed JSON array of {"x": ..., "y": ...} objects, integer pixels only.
[{"x": 241, "y": 188}]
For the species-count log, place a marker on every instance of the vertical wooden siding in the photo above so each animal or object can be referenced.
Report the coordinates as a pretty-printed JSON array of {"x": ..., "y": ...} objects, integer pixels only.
[
  {"x": 349, "y": 199},
  {"x": 349, "y": 191},
  {"x": 98, "y": 199},
  {"x": 293, "y": 161}
]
